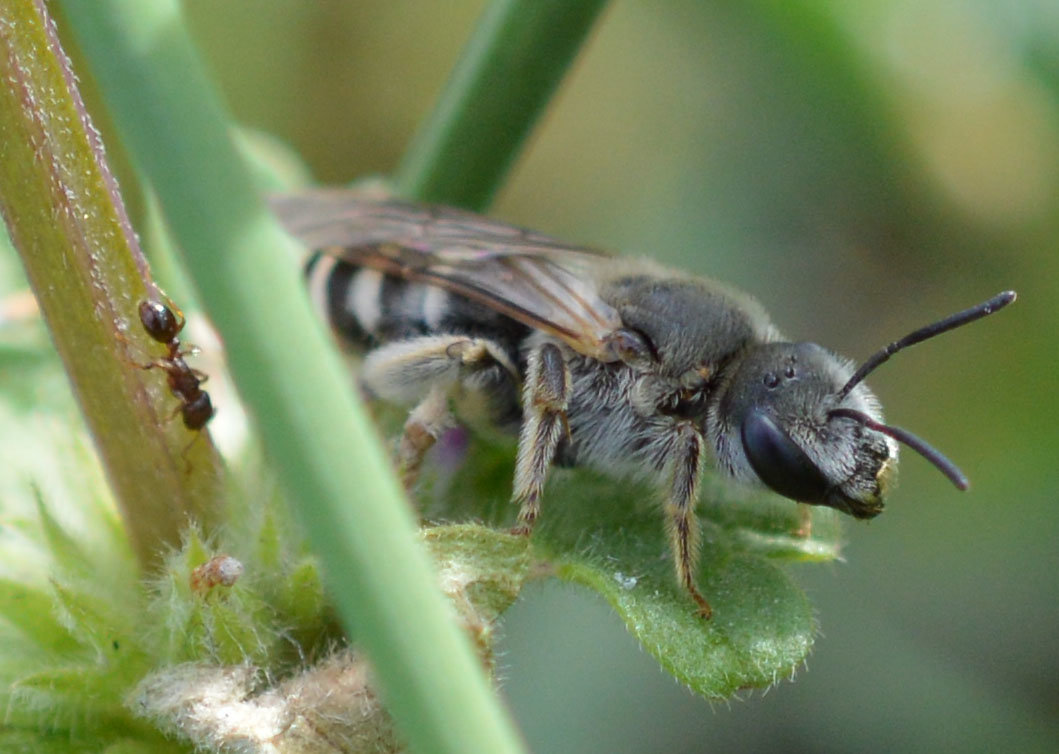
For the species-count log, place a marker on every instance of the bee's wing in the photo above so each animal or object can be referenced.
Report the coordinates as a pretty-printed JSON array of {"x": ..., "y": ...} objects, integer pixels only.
[{"x": 531, "y": 278}]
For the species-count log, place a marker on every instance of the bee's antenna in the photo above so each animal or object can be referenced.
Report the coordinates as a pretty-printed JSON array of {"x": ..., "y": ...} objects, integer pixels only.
[
  {"x": 921, "y": 446},
  {"x": 996, "y": 303}
]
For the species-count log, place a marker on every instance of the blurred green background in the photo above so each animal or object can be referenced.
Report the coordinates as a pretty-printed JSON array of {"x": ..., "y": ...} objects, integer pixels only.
[{"x": 862, "y": 168}]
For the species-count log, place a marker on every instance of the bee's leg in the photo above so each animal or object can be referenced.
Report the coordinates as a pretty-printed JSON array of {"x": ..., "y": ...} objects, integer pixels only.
[
  {"x": 424, "y": 372},
  {"x": 425, "y": 424},
  {"x": 544, "y": 401},
  {"x": 683, "y": 526}
]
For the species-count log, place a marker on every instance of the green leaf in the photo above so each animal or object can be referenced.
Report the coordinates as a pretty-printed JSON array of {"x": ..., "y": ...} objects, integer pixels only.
[
  {"x": 97, "y": 620},
  {"x": 30, "y": 740},
  {"x": 478, "y": 566},
  {"x": 766, "y": 524},
  {"x": 32, "y": 611},
  {"x": 79, "y": 683},
  {"x": 762, "y": 627},
  {"x": 131, "y": 746},
  {"x": 300, "y": 602},
  {"x": 66, "y": 552},
  {"x": 609, "y": 536},
  {"x": 15, "y": 741}
]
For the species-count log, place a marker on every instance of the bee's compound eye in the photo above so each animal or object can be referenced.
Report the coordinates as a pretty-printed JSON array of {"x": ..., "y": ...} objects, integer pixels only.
[
  {"x": 631, "y": 347},
  {"x": 779, "y": 462}
]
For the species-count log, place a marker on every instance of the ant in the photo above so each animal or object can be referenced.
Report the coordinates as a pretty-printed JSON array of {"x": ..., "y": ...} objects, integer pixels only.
[{"x": 163, "y": 325}]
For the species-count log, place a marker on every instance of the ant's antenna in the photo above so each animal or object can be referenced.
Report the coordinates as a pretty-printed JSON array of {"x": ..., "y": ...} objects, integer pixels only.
[
  {"x": 918, "y": 444},
  {"x": 996, "y": 303}
]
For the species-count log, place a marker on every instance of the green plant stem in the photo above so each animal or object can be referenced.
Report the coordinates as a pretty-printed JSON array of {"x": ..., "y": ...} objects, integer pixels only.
[
  {"x": 500, "y": 86},
  {"x": 318, "y": 437},
  {"x": 65, "y": 216}
]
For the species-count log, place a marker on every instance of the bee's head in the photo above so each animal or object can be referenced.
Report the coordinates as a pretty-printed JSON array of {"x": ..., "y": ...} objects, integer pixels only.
[
  {"x": 775, "y": 425},
  {"x": 798, "y": 419}
]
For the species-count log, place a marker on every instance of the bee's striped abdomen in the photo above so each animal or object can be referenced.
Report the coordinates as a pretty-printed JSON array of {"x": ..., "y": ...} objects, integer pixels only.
[
  {"x": 366, "y": 307},
  {"x": 330, "y": 282}
]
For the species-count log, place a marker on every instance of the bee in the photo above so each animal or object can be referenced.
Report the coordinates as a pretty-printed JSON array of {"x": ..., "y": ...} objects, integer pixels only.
[
  {"x": 616, "y": 364},
  {"x": 163, "y": 325}
]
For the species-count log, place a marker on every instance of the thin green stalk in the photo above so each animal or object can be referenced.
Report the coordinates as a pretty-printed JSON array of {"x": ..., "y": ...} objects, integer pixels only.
[
  {"x": 318, "y": 437},
  {"x": 500, "y": 86},
  {"x": 66, "y": 218}
]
